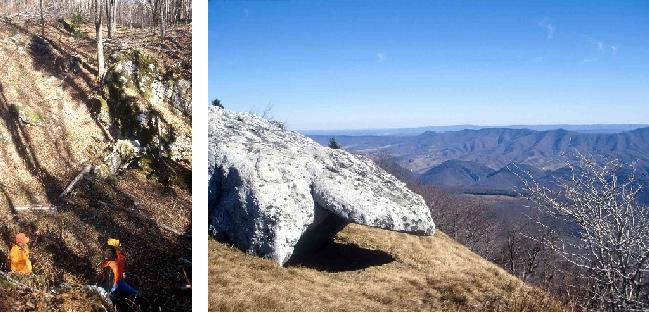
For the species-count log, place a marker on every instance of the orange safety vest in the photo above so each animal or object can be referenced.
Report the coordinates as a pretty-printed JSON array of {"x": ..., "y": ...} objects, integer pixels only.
[
  {"x": 121, "y": 261},
  {"x": 19, "y": 258},
  {"x": 117, "y": 274}
]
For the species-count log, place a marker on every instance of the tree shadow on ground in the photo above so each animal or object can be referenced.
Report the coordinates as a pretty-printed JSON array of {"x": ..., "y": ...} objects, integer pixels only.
[
  {"x": 341, "y": 257},
  {"x": 153, "y": 254},
  {"x": 4, "y": 261},
  {"x": 68, "y": 243},
  {"x": 53, "y": 59},
  {"x": 21, "y": 139},
  {"x": 65, "y": 260}
]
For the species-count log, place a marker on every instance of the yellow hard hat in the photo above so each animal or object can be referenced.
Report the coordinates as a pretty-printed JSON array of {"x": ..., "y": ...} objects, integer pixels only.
[{"x": 113, "y": 242}]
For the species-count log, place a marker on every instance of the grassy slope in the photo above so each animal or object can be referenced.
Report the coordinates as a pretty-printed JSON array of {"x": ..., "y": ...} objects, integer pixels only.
[{"x": 427, "y": 274}]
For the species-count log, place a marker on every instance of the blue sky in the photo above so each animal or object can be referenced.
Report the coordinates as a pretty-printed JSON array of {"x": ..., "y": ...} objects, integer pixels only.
[{"x": 382, "y": 64}]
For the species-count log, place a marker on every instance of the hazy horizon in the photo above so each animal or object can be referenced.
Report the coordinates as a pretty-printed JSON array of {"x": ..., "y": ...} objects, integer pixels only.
[
  {"x": 485, "y": 126},
  {"x": 331, "y": 65}
]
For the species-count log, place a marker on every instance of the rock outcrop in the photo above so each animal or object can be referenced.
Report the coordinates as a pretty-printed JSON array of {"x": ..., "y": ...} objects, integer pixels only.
[
  {"x": 116, "y": 158},
  {"x": 148, "y": 103},
  {"x": 145, "y": 102},
  {"x": 275, "y": 193}
]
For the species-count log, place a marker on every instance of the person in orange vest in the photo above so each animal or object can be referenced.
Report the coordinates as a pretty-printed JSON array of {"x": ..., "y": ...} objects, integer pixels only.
[
  {"x": 112, "y": 276},
  {"x": 19, "y": 255},
  {"x": 120, "y": 257}
]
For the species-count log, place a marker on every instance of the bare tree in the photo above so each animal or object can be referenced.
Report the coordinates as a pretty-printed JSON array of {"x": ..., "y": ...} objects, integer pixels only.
[
  {"x": 111, "y": 10},
  {"x": 611, "y": 246},
  {"x": 100, "y": 41},
  {"x": 40, "y": 4},
  {"x": 135, "y": 13},
  {"x": 525, "y": 257},
  {"x": 163, "y": 13}
]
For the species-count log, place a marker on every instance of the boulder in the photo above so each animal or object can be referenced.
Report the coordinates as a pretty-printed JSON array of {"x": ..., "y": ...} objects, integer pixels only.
[
  {"x": 117, "y": 157},
  {"x": 274, "y": 192},
  {"x": 139, "y": 74}
]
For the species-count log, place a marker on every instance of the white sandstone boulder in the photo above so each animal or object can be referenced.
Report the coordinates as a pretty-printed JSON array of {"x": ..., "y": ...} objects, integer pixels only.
[{"x": 274, "y": 192}]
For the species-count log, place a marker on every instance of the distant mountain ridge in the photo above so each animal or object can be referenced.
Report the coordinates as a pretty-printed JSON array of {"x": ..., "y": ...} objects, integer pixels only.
[
  {"x": 485, "y": 159},
  {"x": 412, "y": 131},
  {"x": 497, "y": 147}
]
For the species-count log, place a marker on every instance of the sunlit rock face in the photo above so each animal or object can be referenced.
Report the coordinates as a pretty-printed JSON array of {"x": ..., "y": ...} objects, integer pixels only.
[
  {"x": 271, "y": 190},
  {"x": 144, "y": 101}
]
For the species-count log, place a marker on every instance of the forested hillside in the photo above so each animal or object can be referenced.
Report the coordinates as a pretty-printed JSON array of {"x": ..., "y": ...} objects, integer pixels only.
[{"x": 95, "y": 143}]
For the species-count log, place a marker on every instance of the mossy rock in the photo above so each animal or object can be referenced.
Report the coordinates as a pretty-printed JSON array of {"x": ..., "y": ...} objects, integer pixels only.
[
  {"x": 146, "y": 165},
  {"x": 73, "y": 26},
  {"x": 139, "y": 74},
  {"x": 124, "y": 149},
  {"x": 182, "y": 180},
  {"x": 116, "y": 157},
  {"x": 138, "y": 92},
  {"x": 101, "y": 171},
  {"x": 27, "y": 116}
]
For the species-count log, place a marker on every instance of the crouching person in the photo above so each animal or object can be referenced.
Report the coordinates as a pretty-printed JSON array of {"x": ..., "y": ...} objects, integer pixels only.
[
  {"x": 112, "y": 277},
  {"x": 19, "y": 256}
]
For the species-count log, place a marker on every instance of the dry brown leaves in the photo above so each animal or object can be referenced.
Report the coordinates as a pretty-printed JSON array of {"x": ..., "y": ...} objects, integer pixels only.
[{"x": 38, "y": 162}]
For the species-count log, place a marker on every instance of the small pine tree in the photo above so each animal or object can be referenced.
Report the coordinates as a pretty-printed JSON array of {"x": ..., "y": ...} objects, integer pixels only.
[
  {"x": 217, "y": 103},
  {"x": 333, "y": 144}
]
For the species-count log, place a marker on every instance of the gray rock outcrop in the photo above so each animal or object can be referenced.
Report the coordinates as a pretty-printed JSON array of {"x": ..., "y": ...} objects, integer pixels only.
[
  {"x": 144, "y": 101},
  {"x": 275, "y": 193}
]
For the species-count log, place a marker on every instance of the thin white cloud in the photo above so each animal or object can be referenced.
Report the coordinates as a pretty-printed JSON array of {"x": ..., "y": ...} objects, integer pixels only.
[
  {"x": 549, "y": 28},
  {"x": 381, "y": 57},
  {"x": 588, "y": 61},
  {"x": 601, "y": 46}
]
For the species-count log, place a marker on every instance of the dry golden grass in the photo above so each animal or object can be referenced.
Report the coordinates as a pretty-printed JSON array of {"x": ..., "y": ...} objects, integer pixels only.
[{"x": 427, "y": 274}]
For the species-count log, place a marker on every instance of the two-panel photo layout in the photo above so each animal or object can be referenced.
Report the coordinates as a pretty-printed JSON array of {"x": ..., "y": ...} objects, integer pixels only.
[{"x": 350, "y": 155}]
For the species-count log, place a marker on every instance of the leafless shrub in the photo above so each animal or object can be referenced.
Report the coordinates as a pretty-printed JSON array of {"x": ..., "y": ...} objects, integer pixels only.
[{"x": 610, "y": 230}]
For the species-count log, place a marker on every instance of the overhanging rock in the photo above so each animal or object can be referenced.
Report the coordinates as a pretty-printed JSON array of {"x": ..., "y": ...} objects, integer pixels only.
[{"x": 273, "y": 191}]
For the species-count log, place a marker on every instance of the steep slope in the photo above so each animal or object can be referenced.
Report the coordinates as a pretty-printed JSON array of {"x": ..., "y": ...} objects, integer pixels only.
[
  {"x": 506, "y": 178},
  {"x": 49, "y": 131},
  {"x": 456, "y": 173},
  {"x": 369, "y": 269}
]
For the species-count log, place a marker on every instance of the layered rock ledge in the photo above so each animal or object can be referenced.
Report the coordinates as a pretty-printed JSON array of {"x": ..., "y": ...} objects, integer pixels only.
[{"x": 275, "y": 193}]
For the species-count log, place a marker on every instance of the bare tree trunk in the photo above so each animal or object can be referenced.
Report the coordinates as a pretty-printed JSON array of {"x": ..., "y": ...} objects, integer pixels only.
[
  {"x": 100, "y": 41},
  {"x": 163, "y": 4},
  {"x": 110, "y": 16},
  {"x": 40, "y": 2},
  {"x": 511, "y": 249}
]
